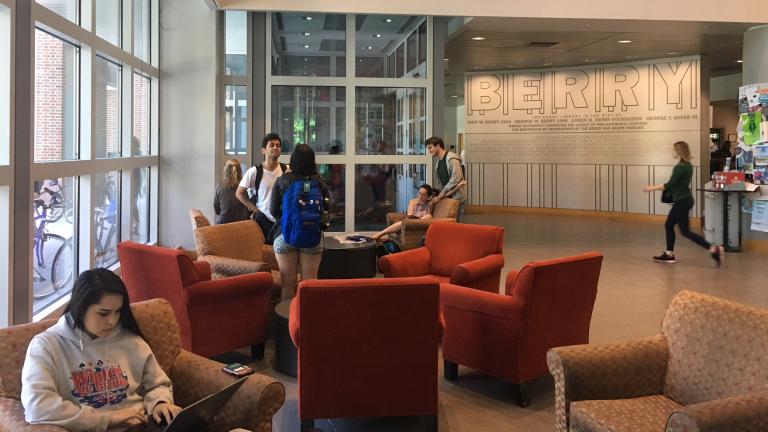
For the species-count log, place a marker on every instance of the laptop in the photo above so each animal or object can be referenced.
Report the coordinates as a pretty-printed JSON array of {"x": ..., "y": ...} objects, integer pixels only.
[{"x": 197, "y": 416}]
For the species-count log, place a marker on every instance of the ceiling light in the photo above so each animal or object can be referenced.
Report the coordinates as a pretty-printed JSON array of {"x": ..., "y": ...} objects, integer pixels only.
[
  {"x": 307, "y": 18},
  {"x": 387, "y": 20},
  {"x": 454, "y": 96},
  {"x": 306, "y": 59},
  {"x": 624, "y": 41},
  {"x": 739, "y": 61},
  {"x": 446, "y": 59},
  {"x": 631, "y": 57},
  {"x": 369, "y": 47},
  {"x": 478, "y": 38},
  {"x": 478, "y": 67},
  {"x": 306, "y": 33},
  {"x": 377, "y": 35},
  {"x": 590, "y": 60},
  {"x": 547, "y": 64},
  {"x": 673, "y": 52},
  {"x": 306, "y": 46}
]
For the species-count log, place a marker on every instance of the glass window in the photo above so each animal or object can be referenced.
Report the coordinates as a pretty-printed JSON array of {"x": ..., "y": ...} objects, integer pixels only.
[
  {"x": 309, "y": 115},
  {"x": 141, "y": 114},
  {"x": 56, "y": 101},
  {"x": 236, "y": 25},
  {"x": 140, "y": 205},
  {"x": 388, "y": 120},
  {"x": 381, "y": 189},
  {"x": 108, "y": 20},
  {"x": 66, "y": 8},
  {"x": 422, "y": 43},
  {"x": 333, "y": 175},
  {"x": 311, "y": 44},
  {"x": 5, "y": 83},
  {"x": 106, "y": 218},
  {"x": 236, "y": 120},
  {"x": 106, "y": 92},
  {"x": 54, "y": 263},
  {"x": 381, "y": 40},
  {"x": 141, "y": 29}
]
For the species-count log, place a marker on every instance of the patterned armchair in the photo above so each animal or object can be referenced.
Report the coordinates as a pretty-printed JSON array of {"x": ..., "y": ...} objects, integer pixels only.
[
  {"x": 705, "y": 372},
  {"x": 233, "y": 248},
  {"x": 413, "y": 230},
  {"x": 193, "y": 377}
]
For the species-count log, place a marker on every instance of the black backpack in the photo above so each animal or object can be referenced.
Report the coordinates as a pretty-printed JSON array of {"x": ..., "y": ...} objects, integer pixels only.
[{"x": 259, "y": 174}]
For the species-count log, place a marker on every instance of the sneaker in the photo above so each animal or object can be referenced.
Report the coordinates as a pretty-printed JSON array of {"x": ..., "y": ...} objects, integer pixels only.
[
  {"x": 665, "y": 258},
  {"x": 718, "y": 254}
]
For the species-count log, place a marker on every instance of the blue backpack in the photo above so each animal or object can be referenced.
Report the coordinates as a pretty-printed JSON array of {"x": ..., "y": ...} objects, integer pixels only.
[{"x": 303, "y": 209}]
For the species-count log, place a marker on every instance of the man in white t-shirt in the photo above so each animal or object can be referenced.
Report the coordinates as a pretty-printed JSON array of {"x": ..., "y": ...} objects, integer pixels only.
[{"x": 255, "y": 189}]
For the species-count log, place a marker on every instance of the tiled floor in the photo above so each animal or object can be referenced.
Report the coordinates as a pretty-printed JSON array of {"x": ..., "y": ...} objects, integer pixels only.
[{"x": 632, "y": 296}]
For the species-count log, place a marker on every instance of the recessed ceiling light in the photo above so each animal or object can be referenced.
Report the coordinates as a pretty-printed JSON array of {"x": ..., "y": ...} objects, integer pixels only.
[
  {"x": 306, "y": 59},
  {"x": 369, "y": 47},
  {"x": 361, "y": 60},
  {"x": 387, "y": 20},
  {"x": 624, "y": 41},
  {"x": 446, "y": 59},
  {"x": 307, "y": 18},
  {"x": 739, "y": 61},
  {"x": 377, "y": 35},
  {"x": 547, "y": 64},
  {"x": 478, "y": 38},
  {"x": 673, "y": 52},
  {"x": 454, "y": 96},
  {"x": 590, "y": 60},
  {"x": 631, "y": 57},
  {"x": 478, "y": 67},
  {"x": 306, "y": 46},
  {"x": 306, "y": 33}
]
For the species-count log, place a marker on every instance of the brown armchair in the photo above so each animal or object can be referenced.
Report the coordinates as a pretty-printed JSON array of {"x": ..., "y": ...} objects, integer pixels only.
[
  {"x": 413, "y": 230},
  {"x": 193, "y": 376},
  {"x": 705, "y": 372},
  {"x": 233, "y": 248}
]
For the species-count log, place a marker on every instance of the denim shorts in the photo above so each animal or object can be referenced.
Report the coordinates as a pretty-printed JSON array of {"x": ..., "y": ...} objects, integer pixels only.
[{"x": 281, "y": 247}]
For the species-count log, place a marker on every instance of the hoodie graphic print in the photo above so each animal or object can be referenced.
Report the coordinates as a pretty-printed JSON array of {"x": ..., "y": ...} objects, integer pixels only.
[{"x": 98, "y": 385}]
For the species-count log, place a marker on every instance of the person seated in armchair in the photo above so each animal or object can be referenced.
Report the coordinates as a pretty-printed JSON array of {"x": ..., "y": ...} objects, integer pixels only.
[
  {"x": 84, "y": 373},
  {"x": 418, "y": 208}
]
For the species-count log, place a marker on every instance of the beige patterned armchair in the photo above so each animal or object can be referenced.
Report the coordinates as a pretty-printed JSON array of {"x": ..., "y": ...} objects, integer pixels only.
[
  {"x": 413, "y": 230},
  {"x": 225, "y": 246},
  {"x": 193, "y": 377},
  {"x": 706, "y": 372}
]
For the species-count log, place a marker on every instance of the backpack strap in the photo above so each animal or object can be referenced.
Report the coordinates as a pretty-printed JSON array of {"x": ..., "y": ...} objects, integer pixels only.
[
  {"x": 283, "y": 167},
  {"x": 259, "y": 175}
]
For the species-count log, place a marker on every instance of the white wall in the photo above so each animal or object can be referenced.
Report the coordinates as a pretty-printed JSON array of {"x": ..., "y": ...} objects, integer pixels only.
[
  {"x": 724, "y": 87},
  {"x": 702, "y": 10},
  {"x": 187, "y": 117}
]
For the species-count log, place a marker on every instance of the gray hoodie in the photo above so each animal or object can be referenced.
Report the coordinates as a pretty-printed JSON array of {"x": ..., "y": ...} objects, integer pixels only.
[
  {"x": 453, "y": 163},
  {"x": 73, "y": 381}
]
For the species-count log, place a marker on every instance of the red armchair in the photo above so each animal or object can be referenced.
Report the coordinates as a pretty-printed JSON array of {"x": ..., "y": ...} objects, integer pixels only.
[
  {"x": 367, "y": 348},
  {"x": 214, "y": 316},
  {"x": 547, "y": 304},
  {"x": 462, "y": 254}
]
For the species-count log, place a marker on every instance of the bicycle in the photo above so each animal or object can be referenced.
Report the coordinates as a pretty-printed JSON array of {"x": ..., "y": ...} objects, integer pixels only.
[
  {"x": 62, "y": 273},
  {"x": 106, "y": 231}
]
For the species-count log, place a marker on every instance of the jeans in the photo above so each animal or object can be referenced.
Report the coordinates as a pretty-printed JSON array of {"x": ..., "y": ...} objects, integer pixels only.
[{"x": 678, "y": 215}]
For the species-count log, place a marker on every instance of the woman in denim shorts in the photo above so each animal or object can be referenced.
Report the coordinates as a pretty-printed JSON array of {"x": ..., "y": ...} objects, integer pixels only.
[{"x": 289, "y": 258}]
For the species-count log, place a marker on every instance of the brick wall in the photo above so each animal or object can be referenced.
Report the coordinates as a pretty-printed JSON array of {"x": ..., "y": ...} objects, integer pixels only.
[{"x": 49, "y": 97}]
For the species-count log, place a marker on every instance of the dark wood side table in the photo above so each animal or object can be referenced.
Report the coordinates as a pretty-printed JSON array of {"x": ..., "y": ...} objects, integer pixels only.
[
  {"x": 286, "y": 354},
  {"x": 347, "y": 260}
]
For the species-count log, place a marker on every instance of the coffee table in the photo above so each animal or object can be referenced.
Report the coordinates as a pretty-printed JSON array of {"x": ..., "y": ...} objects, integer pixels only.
[{"x": 347, "y": 260}]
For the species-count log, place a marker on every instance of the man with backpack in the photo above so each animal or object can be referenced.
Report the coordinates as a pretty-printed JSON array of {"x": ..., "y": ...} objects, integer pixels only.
[
  {"x": 448, "y": 175},
  {"x": 255, "y": 189}
]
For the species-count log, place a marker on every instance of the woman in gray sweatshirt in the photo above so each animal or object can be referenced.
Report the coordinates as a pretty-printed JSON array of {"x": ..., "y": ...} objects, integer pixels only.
[{"x": 93, "y": 371}]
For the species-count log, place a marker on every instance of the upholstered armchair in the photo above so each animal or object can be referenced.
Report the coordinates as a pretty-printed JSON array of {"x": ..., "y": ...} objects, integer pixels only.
[
  {"x": 546, "y": 304},
  {"x": 706, "y": 372},
  {"x": 412, "y": 231},
  {"x": 461, "y": 254},
  {"x": 233, "y": 248},
  {"x": 367, "y": 348},
  {"x": 237, "y": 305},
  {"x": 193, "y": 377}
]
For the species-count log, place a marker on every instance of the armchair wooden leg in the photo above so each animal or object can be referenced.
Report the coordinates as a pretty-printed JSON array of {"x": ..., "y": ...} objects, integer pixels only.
[
  {"x": 257, "y": 351},
  {"x": 429, "y": 423},
  {"x": 450, "y": 370},
  {"x": 307, "y": 426},
  {"x": 520, "y": 392}
]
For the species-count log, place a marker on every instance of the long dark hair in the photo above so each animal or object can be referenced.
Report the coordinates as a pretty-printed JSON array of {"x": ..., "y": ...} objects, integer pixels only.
[
  {"x": 89, "y": 288},
  {"x": 303, "y": 160}
]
